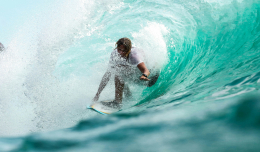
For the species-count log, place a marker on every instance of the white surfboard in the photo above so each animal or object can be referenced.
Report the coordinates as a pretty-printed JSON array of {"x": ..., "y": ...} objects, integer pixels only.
[{"x": 102, "y": 109}]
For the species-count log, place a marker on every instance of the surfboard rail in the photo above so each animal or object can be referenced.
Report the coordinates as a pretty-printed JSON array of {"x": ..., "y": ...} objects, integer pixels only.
[{"x": 102, "y": 109}]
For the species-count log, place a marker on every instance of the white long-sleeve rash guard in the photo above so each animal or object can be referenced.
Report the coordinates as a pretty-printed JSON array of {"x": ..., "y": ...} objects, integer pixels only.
[{"x": 136, "y": 57}]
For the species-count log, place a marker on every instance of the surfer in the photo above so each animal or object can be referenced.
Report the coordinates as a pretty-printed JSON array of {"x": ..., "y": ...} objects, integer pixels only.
[{"x": 127, "y": 65}]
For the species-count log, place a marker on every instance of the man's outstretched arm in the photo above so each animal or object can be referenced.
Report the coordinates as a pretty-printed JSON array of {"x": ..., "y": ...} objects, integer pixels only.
[{"x": 144, "y": 70}]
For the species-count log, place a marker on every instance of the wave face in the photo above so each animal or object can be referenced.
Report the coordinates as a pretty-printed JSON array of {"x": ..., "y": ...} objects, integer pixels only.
[{"x": 206, "y": 98}]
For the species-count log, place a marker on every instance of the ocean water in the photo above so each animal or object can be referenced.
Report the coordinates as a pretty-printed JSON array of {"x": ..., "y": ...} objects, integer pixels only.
[{"x": 206, "y": 99}]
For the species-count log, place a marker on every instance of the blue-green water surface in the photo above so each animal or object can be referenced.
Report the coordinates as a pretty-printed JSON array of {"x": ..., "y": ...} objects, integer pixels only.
[{"x": 206, "y": 98}]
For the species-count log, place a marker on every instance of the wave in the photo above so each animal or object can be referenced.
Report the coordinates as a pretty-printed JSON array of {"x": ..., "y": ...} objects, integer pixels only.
[{"x": 207, "y": 51}]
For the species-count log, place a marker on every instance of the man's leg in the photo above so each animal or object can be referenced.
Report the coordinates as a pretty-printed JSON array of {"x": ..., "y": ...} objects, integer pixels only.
[
  {"x": 119, "y": 87},
  {"x": 127, "y": 91}
]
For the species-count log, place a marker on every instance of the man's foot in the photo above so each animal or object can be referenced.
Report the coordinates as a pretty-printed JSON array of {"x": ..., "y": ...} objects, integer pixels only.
[{"x": 112, "y": 104}]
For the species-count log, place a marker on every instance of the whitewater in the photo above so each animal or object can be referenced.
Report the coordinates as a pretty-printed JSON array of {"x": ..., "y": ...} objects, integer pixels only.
[{"x": 206, "y": 99}]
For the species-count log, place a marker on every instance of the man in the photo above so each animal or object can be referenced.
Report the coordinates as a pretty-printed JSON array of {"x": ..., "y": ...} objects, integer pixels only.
[{"x": 126, "y": 62}]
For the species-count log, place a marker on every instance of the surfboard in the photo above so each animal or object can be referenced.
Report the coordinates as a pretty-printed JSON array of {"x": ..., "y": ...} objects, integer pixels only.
[{"x": 102, "y": 109}]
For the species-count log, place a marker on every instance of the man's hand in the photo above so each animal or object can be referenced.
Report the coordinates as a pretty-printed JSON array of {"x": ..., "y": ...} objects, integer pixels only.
[{"x": 144, "y": 78}]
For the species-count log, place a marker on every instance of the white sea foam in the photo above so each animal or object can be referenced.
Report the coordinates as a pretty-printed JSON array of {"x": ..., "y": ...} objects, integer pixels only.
[
  {"x": 31, "y": 98},
  {"x": 152, "y": 40}
]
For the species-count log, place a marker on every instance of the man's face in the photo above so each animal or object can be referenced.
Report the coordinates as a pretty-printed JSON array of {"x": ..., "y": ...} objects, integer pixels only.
[{"x": 122, "y": 50}]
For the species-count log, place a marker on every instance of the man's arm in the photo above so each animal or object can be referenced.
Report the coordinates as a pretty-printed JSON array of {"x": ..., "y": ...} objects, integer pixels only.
[
  {"x": 144, "y": 70},
  {"x": 102, "y": 85}
]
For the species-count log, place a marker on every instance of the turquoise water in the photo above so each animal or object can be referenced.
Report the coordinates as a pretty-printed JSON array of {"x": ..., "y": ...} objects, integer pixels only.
[{"x": 206, "y": 98}]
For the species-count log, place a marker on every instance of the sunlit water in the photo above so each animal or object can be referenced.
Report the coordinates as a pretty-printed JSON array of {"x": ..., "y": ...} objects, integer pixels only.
[{"x": 206, "y": 98}]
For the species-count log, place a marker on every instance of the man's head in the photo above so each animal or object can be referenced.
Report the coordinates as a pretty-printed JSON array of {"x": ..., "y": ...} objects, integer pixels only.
[{"x": 124, "y": 46}]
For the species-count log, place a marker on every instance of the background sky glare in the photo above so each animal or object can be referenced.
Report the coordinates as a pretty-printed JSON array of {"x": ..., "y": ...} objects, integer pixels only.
[{"x": 15, "y": 13}]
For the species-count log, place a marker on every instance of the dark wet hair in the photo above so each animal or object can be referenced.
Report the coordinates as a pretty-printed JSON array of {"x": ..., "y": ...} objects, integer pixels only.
[{"x": 126, "y": 42}]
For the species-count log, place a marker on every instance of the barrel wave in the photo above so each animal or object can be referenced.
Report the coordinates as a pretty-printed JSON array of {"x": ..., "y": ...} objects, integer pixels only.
[{"x": 206, "y": 98}]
